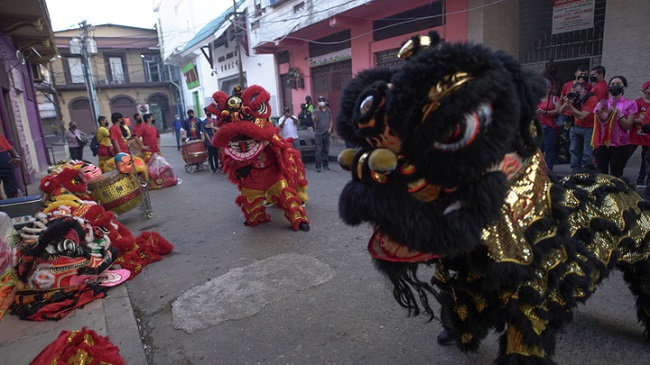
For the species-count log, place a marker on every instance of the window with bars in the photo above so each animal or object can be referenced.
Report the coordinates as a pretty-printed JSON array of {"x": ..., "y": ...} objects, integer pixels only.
[
  {"x": 153, "y": 68},
  {"x": 537, "y": 43},
  {"x": 116, "y": 69},
  {"x": 75, "y": 71}
]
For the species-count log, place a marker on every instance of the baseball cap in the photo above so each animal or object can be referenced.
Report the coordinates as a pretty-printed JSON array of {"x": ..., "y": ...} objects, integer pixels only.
[
  {"x": 645, "y": 85},
  {"x": 321, "y": 98}
]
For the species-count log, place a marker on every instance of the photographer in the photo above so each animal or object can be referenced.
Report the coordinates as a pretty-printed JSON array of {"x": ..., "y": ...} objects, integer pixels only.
[
  {"x": 580, "y": 104},
  {"x": 76, "y": 142},
  {"x": 305, "y": 115},
  {"x": 288, "y": 128}
]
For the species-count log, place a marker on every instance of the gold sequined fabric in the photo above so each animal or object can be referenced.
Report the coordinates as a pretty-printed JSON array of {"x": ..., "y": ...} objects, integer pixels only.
[{"x": 526, "y": 201}]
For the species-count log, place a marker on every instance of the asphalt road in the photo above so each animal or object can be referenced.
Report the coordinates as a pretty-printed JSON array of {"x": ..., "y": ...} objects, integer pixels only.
[{"x": 231, "y": 294}]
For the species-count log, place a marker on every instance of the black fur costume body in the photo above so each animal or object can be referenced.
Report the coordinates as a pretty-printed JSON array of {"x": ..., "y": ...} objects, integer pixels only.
[{"x": 448, "y": 172}]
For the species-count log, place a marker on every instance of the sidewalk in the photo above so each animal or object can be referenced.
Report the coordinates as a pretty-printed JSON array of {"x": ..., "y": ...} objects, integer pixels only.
[{"x": 112, "y": 316}]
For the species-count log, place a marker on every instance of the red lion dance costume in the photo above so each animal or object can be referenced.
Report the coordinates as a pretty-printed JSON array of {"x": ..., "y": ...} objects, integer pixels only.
[{"x": 263, "y": 165}]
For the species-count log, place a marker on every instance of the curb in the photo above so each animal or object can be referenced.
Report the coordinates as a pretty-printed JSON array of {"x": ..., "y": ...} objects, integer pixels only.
[{"x": 122, "y": 326}]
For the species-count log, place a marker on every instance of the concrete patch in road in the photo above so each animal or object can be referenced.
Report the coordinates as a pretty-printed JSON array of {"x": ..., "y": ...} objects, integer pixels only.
[{"x": 243, "y": 292}]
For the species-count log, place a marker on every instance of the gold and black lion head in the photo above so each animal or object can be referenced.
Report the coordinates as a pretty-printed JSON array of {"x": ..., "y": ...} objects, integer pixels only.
[{"x": 431, "y": 141}]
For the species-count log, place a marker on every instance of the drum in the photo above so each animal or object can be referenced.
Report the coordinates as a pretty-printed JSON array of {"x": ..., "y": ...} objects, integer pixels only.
[
  {"x": 116, "y": 192},
  {"x": 194, "y": 152}
]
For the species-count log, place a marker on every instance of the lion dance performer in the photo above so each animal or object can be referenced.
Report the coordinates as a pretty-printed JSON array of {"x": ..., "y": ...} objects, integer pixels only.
[
  {"x": 449, "y": 173},
  {"x": 263, "y": 165}
]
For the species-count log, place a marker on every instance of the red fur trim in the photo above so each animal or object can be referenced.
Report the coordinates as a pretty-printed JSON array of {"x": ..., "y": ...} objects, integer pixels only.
[
  {"x": 155, "y": 243},
  {"x": 253, "y": 97},
  {"x": 220, "y": 98},
  {"x": 218, "y": 105},
  {"x": 49, "y": 183},
  {"x": 147, "y": 248},
  {"x": 229, "y": 130}
]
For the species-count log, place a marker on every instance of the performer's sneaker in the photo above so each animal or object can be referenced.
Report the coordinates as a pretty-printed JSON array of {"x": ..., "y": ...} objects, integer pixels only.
[
  {"x": 445, "y": 338},
  {"x": 303, "y": 227}
]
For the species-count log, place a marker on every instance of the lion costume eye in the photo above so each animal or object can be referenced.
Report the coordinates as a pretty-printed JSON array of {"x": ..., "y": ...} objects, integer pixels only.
[
  {"x": 463, "y": 133},
  {"x": 366, "y": 105},
  {"x": 262, "y": 109},
  {"x": 234, "y": 102}
]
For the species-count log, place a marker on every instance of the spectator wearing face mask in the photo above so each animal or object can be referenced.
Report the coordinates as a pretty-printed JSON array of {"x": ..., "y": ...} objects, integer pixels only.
[
  {"x": 322, "y": 117},
  {"x": 581, "y": 104},
  {"x": 597, "y": 76},
  {"x": 582, "y": 76},
  {"x": 614, "y": 118}
]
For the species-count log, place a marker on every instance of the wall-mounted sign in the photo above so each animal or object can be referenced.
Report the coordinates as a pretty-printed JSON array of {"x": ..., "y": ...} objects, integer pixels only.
[
  {"x": 191, "y": 75},
  {"x": 326, "y": 59},
  {"x": 571, "y": 15}
]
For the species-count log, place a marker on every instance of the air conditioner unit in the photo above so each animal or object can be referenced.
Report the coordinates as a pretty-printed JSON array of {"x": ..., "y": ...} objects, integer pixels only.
[{"x": 104, "y": 82}]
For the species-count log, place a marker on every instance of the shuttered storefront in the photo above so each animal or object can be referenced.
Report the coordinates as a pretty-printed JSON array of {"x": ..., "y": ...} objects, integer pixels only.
[
  {"x": 538, "y": 44},
  {"x": 331, "y": 67}
]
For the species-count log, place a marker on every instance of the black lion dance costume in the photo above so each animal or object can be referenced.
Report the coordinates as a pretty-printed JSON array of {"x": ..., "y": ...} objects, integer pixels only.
[
  {"x": 449, "y": 173},
  {"x": 263, "y": 165}
]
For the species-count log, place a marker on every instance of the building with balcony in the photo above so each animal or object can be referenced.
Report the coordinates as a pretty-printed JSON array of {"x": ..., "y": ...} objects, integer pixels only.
[
  {"x": 320, "y": 45},
  {"x": 26, "y": 41},
  {"x": 213, "y": 54},
  {"x": 127, "y": 72}
]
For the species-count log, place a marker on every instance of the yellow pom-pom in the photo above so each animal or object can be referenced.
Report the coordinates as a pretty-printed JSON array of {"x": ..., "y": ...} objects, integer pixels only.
[
  {"x": 382, "y": 160},
  {"x": 346, "y": 157}
]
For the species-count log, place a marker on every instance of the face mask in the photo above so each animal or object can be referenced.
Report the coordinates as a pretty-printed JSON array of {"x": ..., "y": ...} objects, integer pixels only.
[
  {"x": 322, "y": 103},
  {"x": 616, "y": 90},
  {"x": 593, "y": 79},
  {"x": 581, "y": 78}
]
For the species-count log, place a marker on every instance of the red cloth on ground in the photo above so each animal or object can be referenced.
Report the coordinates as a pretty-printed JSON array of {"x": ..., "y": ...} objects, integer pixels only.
[
  {"x": 83, "y": 347},
  {"x": 149, "y": 247}
]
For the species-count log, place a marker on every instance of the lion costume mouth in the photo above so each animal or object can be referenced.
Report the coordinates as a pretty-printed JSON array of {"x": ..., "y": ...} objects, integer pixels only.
[
  {"x": 244, "y": 148},
  {"x": 382, "y": 247}
]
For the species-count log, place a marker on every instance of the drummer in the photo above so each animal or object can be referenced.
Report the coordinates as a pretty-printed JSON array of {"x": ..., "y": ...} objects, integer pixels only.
[{"x": 193, "y": 126}]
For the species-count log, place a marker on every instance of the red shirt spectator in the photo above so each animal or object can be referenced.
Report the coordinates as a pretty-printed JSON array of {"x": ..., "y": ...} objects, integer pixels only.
[
  {"x": 116, "y": 135},
  {"x": 600, "y": 90},
  {"x": 150, "y": 137},
  {"x": 637, "y": 137}
]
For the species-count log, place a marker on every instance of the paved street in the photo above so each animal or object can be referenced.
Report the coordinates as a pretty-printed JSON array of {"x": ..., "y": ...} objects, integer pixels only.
[{"x": 269, "y": 295}]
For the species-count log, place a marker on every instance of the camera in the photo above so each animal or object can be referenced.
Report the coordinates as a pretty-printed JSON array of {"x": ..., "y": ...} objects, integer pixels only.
[{"x": 572, "y": 95}]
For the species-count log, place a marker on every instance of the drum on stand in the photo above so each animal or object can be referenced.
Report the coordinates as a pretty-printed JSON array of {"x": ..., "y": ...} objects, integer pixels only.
[
  {"x": 116, "y": 191},
  {"x": 194, "y": 152}
]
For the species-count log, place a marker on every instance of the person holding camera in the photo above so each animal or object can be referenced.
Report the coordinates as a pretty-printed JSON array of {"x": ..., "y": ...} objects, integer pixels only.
[
  {"x": 581, "y": 105},
  {"x": 566, "y": 118},
  {"x": 76, "y": 142},
  {"x": 288, "y": 124},
  {"x": 305, "y": 114},
  {"x": 614, "y": 118}
]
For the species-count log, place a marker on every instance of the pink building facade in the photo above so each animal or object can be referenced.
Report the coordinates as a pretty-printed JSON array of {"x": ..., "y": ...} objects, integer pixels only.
[{"x": 318, "y": 59}]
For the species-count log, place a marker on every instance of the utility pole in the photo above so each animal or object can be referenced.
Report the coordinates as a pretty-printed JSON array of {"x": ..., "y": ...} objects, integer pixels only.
[
  {"x": 237, "y": 45},
  {"x": 87, "y": 47}
]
